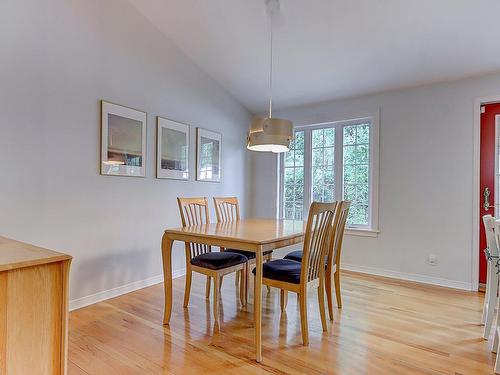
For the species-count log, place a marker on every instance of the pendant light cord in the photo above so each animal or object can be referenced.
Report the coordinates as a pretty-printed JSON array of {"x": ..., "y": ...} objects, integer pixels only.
[{"x": 271, "y": 66}]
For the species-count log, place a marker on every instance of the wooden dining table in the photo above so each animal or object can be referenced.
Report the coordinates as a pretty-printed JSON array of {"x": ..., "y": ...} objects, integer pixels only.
[{"x": 255, "y": 235}]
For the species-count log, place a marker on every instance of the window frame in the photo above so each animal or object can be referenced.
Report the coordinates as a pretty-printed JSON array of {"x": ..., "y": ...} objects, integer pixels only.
[{"x": 372, "y": 228}]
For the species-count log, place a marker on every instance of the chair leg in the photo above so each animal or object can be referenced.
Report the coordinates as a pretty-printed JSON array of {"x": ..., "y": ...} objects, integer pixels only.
[
  {"x": 241, "y": 275},
  {"x": 187, "y": 289},
  {"x": 492, "y": 303},
  {"x": 486, "y": 293},
  {"x": 207, "y": 289},
  {"x": 303, "y": 318},
  {"x": 329, "y": 293},
  {"x": 247, "y": 282},
  {"x": 216, "y": 299},
  {"x": 237, "y": 278},
  {"x": 268, "y": 287},
  {"x": 321, "y": 300},
  {"x": 283, "y": 299},
  {"x": 497, "y": 361},
  {"x": 220, "y": 283},
  {"x": 494, "y": 347},
  {"x": 336, "y": 277}
]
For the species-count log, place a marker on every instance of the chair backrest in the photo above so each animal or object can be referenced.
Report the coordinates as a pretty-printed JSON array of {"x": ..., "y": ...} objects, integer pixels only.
[
  {"x": 319, "y": 230},
  {"x": 227, "y": 209},
  {"x": 194, "y": 211},
  {"x": 335, "y": 247},
  {"x": 490, "y": 229}
]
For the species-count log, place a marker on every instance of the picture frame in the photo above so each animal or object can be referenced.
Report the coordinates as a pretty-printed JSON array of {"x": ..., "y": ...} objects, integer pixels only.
[
  {"x": 172, "y": 149},
  {"x": 123, "y": 140},
  {"x": 208, "y": 155}
]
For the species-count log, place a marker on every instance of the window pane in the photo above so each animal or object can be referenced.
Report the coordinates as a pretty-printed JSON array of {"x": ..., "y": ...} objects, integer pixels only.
[
  {"x": 349, "y": 135},
  {"x": 329, "y": 135},
  {"x": 349, "y": 174},
  {"x": 289, "y": 158},
  {"x": 361, "y": 154},
  {"x": 350, "y": 193},
  {"x": 328, "y": 177},
  {"x": 299, "y": 158},
  {"x": 293, "y": 184},
  {"x": 317, "y": 138},
  {"x": 298, "y": 141},
  {"x": 349, "y": 154},
  {"x": 323, "y": 161},
  {"x": 356, "y": 173},
  {"x": 363, "y": 134},
  {"x": 317, "y": 156},
  {"x": 361, "y": 174},
  {"x": 329, "y": 156},
  {"x": 329, "y": 193}
]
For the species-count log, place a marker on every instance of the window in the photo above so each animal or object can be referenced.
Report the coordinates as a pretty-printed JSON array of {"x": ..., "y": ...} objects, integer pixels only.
[
  {"x": 331, "y": 162},
  {"x": 293, "y": 195}
]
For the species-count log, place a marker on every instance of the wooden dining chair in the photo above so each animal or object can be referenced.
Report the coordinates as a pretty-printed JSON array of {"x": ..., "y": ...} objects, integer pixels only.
[
  {"x": 332, "y": 274},
  {"x": 289, "y": 275},
  {"x": 227, "y": 209},
  {"x": 494, "y": 267},
  {"x": 492, "y": 279},
  {"x": 201, "y": 259}
]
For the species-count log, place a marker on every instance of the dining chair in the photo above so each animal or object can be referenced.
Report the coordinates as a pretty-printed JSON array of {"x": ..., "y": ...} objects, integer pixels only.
[
  {"x": 201, "y": 259},
  {"x": 491, "y": 253},
  {"x": 289, "y": 275},
  {"x": 493, "y": 269},
  {"x": 333, "y": 259},
  {"x": 227, "y": 209}
]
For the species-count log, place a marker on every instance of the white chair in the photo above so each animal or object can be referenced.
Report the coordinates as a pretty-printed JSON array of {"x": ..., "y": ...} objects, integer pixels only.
[
  {"x": 493, "y": 268},
  {"x": 490, "y": 297}
]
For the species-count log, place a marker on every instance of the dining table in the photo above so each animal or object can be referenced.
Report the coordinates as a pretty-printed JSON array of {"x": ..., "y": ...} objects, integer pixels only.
[{"x": 254, "y": 235}]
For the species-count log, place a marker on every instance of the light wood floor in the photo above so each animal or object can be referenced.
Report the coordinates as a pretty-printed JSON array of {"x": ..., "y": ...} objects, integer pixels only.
[{"x": 385, "y": 327}]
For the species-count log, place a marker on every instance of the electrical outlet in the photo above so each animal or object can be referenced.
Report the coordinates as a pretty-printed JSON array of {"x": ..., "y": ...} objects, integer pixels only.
[{"x": 432, "y": 259}]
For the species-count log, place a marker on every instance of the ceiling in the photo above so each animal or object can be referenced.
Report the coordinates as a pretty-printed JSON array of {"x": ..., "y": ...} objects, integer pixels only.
[{"x": 331, "y": 49}]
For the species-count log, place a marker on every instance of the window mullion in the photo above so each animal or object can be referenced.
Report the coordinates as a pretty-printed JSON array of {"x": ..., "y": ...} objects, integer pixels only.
[
  {"x": 307, "y": 171},
  {"x": 281, "y": 192},
  {"x": 339, "y": 162}
]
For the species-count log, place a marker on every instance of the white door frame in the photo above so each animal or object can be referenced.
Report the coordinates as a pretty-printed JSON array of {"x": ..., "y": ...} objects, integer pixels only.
[{"x": 476, "y": 201}]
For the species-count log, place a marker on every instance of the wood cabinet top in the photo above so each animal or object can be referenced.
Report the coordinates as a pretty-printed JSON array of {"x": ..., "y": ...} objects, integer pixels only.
[{"x": 15, "y": 254}]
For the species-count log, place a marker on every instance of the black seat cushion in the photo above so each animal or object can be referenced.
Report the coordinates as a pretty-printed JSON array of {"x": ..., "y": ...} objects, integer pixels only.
[
  {"x": 283, "y": 270},
  {"x": 248, "y": 254},
  {"x": 218, "y": 261},
  {"x": 294, "y": 255},
  {"x": 297, "y": 256}
]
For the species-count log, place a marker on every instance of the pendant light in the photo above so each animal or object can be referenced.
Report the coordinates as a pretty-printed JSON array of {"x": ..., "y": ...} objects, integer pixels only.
[{"x": 268, "y": 133}]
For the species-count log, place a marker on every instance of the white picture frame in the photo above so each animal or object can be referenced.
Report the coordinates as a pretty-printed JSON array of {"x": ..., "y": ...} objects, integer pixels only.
[
  {"x": 208, "y": 155},
  {"x": 123, "y": 140},
  {"x": 172, "y": 149}
]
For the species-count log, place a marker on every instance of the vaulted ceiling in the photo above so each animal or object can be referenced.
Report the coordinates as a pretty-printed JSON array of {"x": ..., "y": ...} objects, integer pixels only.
[{"x": 330, "y": 49}]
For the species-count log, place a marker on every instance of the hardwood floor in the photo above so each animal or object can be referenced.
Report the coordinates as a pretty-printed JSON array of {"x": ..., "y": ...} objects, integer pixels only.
[{"x": 385, "y": 327}]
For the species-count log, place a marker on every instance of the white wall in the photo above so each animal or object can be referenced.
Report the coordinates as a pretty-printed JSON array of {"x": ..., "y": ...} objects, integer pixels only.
[
  {"x": 426, "y": 171},
  {"x": 58, "y": 59}
]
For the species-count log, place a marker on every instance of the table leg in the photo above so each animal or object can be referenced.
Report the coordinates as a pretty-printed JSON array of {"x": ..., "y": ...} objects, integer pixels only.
[
  {"x": 257, "y": 305},
  {"x": 166, "y": 251}
]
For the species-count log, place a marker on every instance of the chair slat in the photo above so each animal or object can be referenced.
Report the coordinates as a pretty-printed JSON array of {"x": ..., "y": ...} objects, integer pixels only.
[
  {"x": 194, "y": 211},
  {"x": 227, "y": 209}
]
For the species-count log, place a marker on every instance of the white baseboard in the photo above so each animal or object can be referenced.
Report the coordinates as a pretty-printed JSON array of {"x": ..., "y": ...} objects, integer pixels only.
[
  {"x": 408, "y": 276},
  {"x": 127, "y": 288},
  {"x": 118, "y": 291}
]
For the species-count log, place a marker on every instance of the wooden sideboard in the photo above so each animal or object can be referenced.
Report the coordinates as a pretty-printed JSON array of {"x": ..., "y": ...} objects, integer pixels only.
[{"x": 33, "y": 309}]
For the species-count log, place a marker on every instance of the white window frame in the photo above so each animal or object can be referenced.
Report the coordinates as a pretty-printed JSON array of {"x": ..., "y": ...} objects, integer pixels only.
[{"x": 372, "y": 229}]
